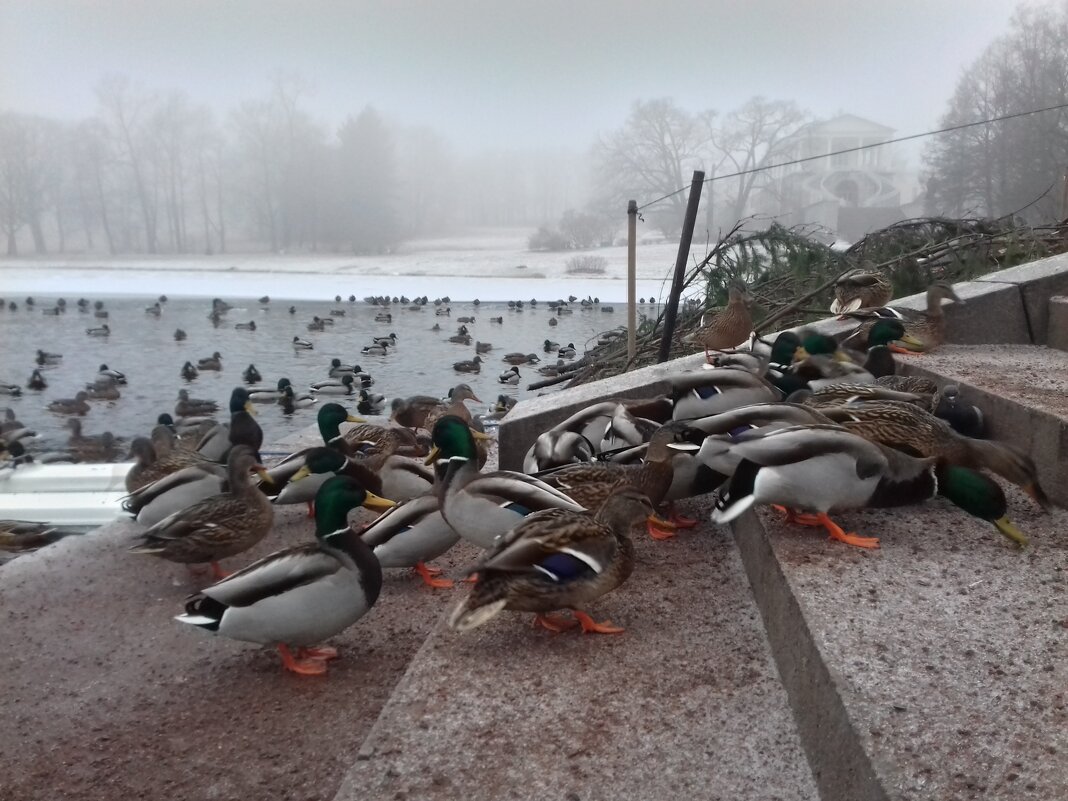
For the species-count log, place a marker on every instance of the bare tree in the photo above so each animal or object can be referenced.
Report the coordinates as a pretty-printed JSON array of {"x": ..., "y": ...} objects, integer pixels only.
[
  {"x": 125, "y": 112},
  {"x": 750, "y": 138},
  {"x": 653, "y": 154}
]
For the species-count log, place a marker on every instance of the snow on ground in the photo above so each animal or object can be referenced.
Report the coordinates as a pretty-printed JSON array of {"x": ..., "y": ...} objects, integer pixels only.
[{"x": 484, "y": 265}]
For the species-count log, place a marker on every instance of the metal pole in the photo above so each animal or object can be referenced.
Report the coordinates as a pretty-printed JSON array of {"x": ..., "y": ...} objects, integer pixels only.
[
  {"x": 680, "y": 264},
  {"x": 632, "y": 262}
]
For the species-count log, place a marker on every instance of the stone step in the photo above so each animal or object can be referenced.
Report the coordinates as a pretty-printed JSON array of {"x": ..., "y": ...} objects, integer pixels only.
[
  {"x": 1057, "y": 331},
  {"x": 687, "y": 703}
]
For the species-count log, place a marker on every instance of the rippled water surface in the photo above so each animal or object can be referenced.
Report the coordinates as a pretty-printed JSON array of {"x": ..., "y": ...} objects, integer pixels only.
[{"x": 143, "y": 347}]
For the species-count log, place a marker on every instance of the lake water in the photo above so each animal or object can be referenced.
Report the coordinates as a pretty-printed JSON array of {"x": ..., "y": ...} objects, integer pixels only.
[{"x": 143, "y": 347}]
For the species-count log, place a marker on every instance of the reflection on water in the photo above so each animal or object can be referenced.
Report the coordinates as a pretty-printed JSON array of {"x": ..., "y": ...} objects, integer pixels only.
[{"x": 143, "y": 347}]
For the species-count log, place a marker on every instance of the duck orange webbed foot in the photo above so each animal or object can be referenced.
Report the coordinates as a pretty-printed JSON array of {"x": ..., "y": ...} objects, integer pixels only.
[
  {"x": 217, "y": 572},
  {"x": 429, "y": 576},
  {"x": 322, "y": 654},
  {"x": 680, "y": 521},
  {"x": 302, "y": 667},
  {"x": 554, "y": 623},
  {"x": 590, "y": 626},
  {"x": 851, "y": 538},
  {"x": 659, "y": 529}
]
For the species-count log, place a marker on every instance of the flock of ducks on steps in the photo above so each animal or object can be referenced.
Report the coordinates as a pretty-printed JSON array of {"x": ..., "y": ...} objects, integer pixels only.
[{"x": 812, "y": 426}]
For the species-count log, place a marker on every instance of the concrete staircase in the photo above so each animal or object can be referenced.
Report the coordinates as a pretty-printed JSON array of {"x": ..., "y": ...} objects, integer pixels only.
[{"x": 764, "y": 662}]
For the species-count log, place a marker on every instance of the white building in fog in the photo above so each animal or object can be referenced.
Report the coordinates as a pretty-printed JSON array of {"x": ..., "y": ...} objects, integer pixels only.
[{"x": 848, "y": 193}]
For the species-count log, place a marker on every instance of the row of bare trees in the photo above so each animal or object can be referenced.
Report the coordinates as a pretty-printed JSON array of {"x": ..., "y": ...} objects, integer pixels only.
[
  {"x": 151, "y": 173},
  {"x": 1009, "y": 166}
]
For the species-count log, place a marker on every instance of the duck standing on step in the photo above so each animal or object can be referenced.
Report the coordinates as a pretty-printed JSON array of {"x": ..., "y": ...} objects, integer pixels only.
[
  {"x": 557, "y": 559},
  {"x": 300, "y": 596}
]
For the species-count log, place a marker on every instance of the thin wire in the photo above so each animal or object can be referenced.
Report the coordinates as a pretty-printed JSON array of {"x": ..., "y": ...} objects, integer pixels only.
[{"x": 861, "y": 147}]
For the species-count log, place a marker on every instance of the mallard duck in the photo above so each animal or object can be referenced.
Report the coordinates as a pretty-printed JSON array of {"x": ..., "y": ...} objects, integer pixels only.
[
  {"x": 964, "y": 418},
  {"x": 482, "y": 347},
  {"x": 389, "y": 341},
  {"x": 383, "y": 439},
  {"x": 374, "y": 350},
  {"x": 836, "y": 394},
  {"x": 103, "y": 389},
  {"x": 144, "y": 470},
  {"x": 383, "y": 317},
  {"x": 329, "y": 419},
  {"x": 83, "y": 448},
  {"x": 410, "y": 535},
  {"x": 345, "y": 385},
  {"x": 44, "y": 357},
  {"x": 726, "y": 328},
  {"x": 244, "y": 430},
  {"x": 928, "y": 327},
  {"x": 481, "y": 506},
  {"x": 14, "y": 390},
  {"x": 75, "y": 405},
  {"x": 549, "y": 346},
  {"x": 303, "y": 344},
  {"x": 861, "y": 290},
  {"x": 302, "y": 473},
  {"x": 251, "y": 375},
  {"x": 370, "y": 404},
  {"x": 908, "y": 428},
  {"x": 471, "y": 366},
  {"x": 703, "y": 392},
  {"x": 590, "y": 484},
  {"x": 36, "y": 382},
  {"x": 454, "y": 405},
  {"x": 193, "y": 407},
  {"x": 337, "y": 369},
  {"x": 299, "y": 596},
  {"x": 557, "y": 448},
  {"x": 106, "y": 372},
  {"x": 264, "y": 395},
  {"x": 557, "y": 559},
  {"x": 567, "y": 352},
  {"x": 174, "y": 490},
  {"x": 510, "y": 376},
  {"x": 154, "y": 310},
  {"x": 819, "y": 469},
  {"x": 179, "y": 335},
  {"x": 213, "y": 362},
  {"x": 291, "y": 401},
  {"x": 188, "y": 371},
  {"x": 217, "y": 527},
  {"x": 101, "y": 331}
]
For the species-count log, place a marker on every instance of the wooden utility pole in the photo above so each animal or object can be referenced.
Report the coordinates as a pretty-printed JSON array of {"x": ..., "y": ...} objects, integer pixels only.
[
  {"x": 632, "y": 265},
  {"x": 685, "y": 239},
  {"x": 1064, "y": 196}
]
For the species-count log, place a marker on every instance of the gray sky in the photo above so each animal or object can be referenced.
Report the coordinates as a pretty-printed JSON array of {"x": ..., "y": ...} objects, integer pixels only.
[{"x": 500, "y": 73}]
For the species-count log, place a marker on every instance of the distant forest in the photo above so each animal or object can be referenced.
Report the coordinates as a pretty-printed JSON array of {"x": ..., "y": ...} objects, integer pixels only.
[{"x": 159, "y": 173}]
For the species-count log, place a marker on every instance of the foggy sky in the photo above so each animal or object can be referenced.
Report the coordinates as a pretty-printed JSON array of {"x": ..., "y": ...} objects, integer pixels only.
[{"x": 504, "y": 73}]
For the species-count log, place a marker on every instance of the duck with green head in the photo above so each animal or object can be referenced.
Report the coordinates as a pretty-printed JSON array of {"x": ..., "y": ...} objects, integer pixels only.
[
  {"x": 482, "y": 506},
  {"x": 820, "y": 469},
  {"x": 300, "y": 596},
  {"x": 329, "y": 417}
]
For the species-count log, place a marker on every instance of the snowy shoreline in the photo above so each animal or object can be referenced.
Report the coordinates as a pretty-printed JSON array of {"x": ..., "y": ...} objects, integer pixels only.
[{"x": 490, "y": 270}]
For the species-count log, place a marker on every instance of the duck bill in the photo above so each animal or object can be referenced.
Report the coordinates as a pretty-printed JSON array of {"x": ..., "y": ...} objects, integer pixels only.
[
  {"x": 250, "y": 408},
  {"x": 354, "y": 419},
  {"x": 479, "y": 434},
  {"x": 434, "y": 455},
  {"x": 373, "y": 501},
  {"x": 800, "y": 354},
  {"x": 1005, "y": 526},
  {"x": 261, "y": 471},
  {"x": 304, "y": 472},
  {"x": 909, "y": 342}
]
